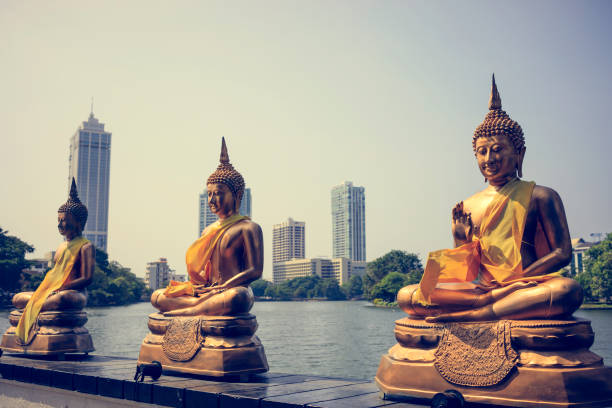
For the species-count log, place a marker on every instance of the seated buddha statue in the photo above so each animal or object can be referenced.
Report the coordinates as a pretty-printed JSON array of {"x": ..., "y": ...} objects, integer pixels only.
[
  {"x": 62, "y": 291},
  {"x": 204, "y": 326},
  {"x": 511, "y": 241},
  {"x": 223, "y": 261}
]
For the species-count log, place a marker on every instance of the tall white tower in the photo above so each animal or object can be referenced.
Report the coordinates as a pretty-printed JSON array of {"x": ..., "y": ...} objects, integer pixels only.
[
  {"x": 90, "y": 166},
  {"x": 348, "y": 222}
]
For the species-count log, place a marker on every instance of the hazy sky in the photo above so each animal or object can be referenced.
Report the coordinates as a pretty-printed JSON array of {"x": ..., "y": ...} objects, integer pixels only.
[{"x": 307, "y": 94}]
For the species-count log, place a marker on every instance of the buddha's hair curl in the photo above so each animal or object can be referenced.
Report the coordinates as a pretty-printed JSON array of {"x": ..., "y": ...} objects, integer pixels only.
[
  {"x": 497, "y": 123},
  {"x": 227, "y": 175},
  {"x": 74, "y": 206}
]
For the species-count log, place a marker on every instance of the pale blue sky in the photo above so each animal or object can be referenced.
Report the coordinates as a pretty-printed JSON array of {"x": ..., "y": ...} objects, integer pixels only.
[{"x": 308, "y": 94}]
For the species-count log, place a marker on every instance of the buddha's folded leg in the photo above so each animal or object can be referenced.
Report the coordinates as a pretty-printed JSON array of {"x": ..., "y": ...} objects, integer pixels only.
[
  {"x": 230, "y": 302},
  {"x": 66, "y": 300},
  {"x": 20, "y": 300},
  {"x": 552, "y": 298},
  {"x": 165, "y": 303},
  {"x": 406, "y": 299},
  {"x": 62, "y": 300}
]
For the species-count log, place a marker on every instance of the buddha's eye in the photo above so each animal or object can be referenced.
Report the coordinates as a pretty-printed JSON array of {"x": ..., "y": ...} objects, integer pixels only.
[{"x": 497, "y": 148}]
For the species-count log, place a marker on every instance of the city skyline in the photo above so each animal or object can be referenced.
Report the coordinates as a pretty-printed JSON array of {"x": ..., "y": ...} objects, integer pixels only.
[
  {"x": 389, "y": 99},
  {"x": 89, "y": 165}
]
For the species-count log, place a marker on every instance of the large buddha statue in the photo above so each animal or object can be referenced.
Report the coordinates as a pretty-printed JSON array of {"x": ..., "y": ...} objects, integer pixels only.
[
  {"x": 492, "y": 317},
  {"x": 511, "y": 241},
  {"x": 213, "y": 306},
  {"x": 50, "y": 320}
]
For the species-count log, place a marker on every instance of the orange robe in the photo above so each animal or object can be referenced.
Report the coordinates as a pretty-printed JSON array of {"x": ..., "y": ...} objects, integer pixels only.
[
  {"x": 198, "y": 257},
  {"x": 54, "y": 279},
  {"x": 496, "y": 253}
]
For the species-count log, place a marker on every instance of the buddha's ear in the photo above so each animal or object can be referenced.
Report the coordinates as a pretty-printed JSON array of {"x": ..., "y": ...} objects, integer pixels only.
[{"x": 519, "y": 164}]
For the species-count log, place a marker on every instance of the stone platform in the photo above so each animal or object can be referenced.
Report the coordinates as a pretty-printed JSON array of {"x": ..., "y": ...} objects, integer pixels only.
[
  {"x": 57, "y": 333},
  {"x": 522, "y": 363},
  {"x": 94, "y": 381},
  {"x": 218, "y": 346}
]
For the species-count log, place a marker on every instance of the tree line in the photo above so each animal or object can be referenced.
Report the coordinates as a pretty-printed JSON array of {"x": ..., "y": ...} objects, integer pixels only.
[
  {"x": 384, "y": 277},
  {"x": 112, "y": 284}
]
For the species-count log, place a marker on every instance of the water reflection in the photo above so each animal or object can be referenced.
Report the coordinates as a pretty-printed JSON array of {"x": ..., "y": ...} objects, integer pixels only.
[{"x": 338, "y": 339}]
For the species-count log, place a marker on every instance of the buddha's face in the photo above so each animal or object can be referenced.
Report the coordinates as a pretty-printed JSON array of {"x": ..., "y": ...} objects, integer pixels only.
[
  {"x": 67, "y": 225},
  {"x": 221, "y": 200},
  {"x": 497, "y": 158}
]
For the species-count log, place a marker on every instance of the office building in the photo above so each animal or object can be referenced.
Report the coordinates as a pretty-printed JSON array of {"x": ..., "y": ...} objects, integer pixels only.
[
  {"x": 340, "y": 269},
  {"x": 348, "y": 222},
  {"x": 90, "y": 166},
  {"x": 158, "y": 274},
  {"x": 207, "y": 217},
  {"x": 288, "y": 241}
]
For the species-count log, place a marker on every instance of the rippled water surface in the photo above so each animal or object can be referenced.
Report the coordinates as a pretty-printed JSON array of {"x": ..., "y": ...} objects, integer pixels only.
[{"x": 339, "y": 339}]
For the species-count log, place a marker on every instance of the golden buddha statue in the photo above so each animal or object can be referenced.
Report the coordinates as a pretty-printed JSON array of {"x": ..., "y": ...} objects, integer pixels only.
[
  {"x": 215, "y": 302},
  {"x": 50, "y": 319},
  {"x": 492, "y": 317},
  {"x": 511, "y": 241}
]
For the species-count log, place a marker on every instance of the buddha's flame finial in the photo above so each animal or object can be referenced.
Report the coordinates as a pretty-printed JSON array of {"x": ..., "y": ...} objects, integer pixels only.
[
  {"x": 495, "y": 99},
  {"x": 224, "y": 156},
  {"x": 74, "y": 195}
]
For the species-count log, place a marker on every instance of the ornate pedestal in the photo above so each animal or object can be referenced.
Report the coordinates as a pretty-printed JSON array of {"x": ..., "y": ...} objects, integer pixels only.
[
  {"x": 520, "y": 363},
  {"x": 206, "y": 345},
  {"x": 56, "y": 333}
]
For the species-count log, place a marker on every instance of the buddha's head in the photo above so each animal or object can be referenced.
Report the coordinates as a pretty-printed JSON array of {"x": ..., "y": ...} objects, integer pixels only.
[
  {"x": 225, "y": 187},
  {"x": 72, "y": 215},
  {"x": 498, "y": 142}
]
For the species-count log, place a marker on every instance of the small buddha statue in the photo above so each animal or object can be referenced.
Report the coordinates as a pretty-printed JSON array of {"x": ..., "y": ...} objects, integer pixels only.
[
  {"x": 214, "y": 304},
  {"x": 492, "y": 317},
  {"x": 55, "y": 308},
  {"x": 511, "y": 241}
]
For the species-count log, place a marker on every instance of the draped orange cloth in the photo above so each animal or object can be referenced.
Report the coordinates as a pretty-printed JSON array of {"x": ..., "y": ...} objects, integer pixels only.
[
  {"x": 496, "y": 253},
  {"x": 198, "y": 257},
  {"x": 54, "y": 279}
]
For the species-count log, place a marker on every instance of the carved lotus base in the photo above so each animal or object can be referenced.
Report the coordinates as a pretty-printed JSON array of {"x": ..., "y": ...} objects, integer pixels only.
[
  {"x": 218, "y": 346},
  {"x": 509, "y": 363},
  {"x": 56, "y": 333}
]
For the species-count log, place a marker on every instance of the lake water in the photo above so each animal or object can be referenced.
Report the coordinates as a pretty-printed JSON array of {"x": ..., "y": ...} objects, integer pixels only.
[{"x": 336, "y": 339}]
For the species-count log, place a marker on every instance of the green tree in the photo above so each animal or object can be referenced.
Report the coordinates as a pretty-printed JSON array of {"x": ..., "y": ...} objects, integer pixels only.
[
  {"x": 388, "y": 286},
  {"x": 259, "y": 287},
  {"x": 12, "y": 260},
  {"x": 402, "y": 262},
  {"x": 354, "y": 287},
  {"x": 597, "y": 278}
]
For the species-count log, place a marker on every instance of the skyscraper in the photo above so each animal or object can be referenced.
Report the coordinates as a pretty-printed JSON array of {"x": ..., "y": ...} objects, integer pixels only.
[
  {"x": 90, "y": 166},
  {"x": 348, "y": 222},
  {"x": 207, "y": 217},
  {"x": 288, "y": 241}
]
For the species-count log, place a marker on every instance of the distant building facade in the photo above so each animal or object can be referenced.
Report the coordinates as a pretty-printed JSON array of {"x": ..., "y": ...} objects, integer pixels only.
[
  {"x": 90, "y": 166},
  {"x": 348, "y": 222},
  {"x": 158, "y": 274},
  {"x": 207, "y": 217},
  {"x": 288, "y": 241},
  {"x": 579, "y": 248},
  {"x": 340, "y": 269}
]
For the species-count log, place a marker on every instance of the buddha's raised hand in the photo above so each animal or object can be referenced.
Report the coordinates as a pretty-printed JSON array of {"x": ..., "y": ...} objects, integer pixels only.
[{"x": 462, "y": 225}]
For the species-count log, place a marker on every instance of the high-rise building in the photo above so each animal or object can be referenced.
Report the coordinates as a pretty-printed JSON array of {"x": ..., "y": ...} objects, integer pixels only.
[
  {"x": 158, "y": 274},
  {"x": 288, "y": 241},
  {"x": 207, "y": 217},
  {"x": 348, "y": 222},
  {"x": 90, "y": 167}
]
